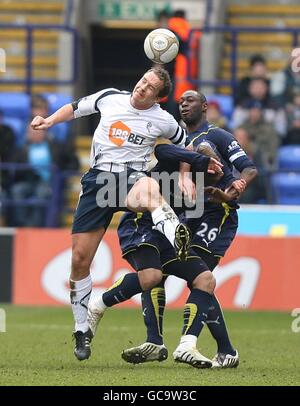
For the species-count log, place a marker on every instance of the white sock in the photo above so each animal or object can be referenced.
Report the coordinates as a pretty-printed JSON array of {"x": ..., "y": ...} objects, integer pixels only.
[
  {"x": 80, "y": 292},
  {"x": 98, "y": 304},
  {"x": 165, "y": 221},
  {"x": 188, "y": 341}
]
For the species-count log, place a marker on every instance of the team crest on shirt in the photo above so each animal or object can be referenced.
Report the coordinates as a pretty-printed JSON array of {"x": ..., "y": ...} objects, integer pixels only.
[
  {"x": 120, "y": 132},
  {"x": 149, "y": 125}
]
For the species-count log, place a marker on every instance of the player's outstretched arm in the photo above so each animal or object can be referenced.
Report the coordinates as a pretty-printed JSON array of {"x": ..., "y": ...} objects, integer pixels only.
[
  {"x": 240, "y": 185},
  {"x": 65, "y": 113},
  {"x": 200, "y": 161}
]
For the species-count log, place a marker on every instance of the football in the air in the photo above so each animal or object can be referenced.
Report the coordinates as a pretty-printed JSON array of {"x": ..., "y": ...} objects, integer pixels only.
[{"x": 161, "y": 46}]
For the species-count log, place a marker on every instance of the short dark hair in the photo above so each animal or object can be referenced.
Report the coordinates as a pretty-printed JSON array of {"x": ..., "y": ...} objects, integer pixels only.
[
  {"x": 40, "y": 101},
  {"x": 257, "y": 58},
  {"x": 179, "y": 13},
  {"x": 164, "y": 76}
]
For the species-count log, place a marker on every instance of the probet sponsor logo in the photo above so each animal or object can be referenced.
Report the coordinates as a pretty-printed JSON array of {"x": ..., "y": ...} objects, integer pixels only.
[{"x": 120, "y": 132}]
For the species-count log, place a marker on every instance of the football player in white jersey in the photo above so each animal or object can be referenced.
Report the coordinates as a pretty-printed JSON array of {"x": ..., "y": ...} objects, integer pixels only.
[{"x": 122, "y": 144}]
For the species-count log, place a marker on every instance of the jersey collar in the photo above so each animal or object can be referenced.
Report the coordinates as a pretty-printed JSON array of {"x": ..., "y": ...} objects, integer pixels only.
[{"x": 202, "y": 128}]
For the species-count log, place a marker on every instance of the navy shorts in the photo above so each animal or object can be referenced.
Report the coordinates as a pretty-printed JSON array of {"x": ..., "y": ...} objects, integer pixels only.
[
  {"x": 146, "y": 248},
  {"x": 145, "y": 257},
  {"x": 215, "y": 230},
  {"x": 99, "y": 199}
]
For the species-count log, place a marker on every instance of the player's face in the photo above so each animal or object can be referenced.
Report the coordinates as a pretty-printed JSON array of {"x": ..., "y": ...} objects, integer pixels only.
[
  {"x": 145, "y": 93},
  {"x": 191, "y": 108}
]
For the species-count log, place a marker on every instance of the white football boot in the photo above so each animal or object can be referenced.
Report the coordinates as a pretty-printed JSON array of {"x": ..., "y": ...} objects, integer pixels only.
[
  {"x": 192, "y": 357},
  {"x": 94, "y": 316},
  {"x": 144, "y": 353},
  {"x": 221, "y": 360}
]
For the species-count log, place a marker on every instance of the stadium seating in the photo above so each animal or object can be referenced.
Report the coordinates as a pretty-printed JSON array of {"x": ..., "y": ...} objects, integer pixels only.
[
  {"x": 18, "y": 126},
  {"x": 276, "y": 47},
  {"x": 45, "y": 44},
  {"x": 57, "y": 100},
  {"x": 288, "y": 157},
  {"x": 15, "y": 105},
  {"x": 225, "y": 101},
  {"x": 286, "y": 188}
]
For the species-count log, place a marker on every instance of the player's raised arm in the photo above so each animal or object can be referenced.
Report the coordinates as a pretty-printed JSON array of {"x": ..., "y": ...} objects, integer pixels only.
[{"x": 65, "y": 113}]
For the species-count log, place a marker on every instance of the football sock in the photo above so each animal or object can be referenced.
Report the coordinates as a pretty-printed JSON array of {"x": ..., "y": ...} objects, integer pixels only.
[
  {"x": 80, "y": 292},
  {"x": 165, "y": 221},
  {"x": 153, "y": 303},
  {"x": 217, "y": 327},
  {"x": 125, "y": 287},
  {"x": 187, "y": 341},
  {"x": 195, "y": 312}
]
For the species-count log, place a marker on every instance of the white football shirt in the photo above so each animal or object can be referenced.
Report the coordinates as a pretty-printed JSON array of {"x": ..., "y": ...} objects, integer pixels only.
[{"x": 126, "y": 135}]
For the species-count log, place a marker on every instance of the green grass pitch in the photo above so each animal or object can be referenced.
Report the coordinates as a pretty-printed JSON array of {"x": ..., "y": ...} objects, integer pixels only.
[{"x": 37, "y": 349}]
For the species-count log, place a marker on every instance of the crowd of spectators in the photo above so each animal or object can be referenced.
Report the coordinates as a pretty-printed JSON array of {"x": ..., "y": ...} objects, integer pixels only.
[
  {"x": 26, "y": 187},
  {"x": 266, "y": 116}
]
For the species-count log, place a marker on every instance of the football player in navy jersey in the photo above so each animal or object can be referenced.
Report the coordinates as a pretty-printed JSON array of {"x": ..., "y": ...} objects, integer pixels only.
[{"x": 212, "y": 233}]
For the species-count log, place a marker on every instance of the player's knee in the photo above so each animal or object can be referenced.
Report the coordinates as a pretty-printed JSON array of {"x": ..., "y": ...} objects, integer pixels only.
[
  {"x": 149, "y": 192},
  {"x": 149, "y": 278},
  {"x": 205, "y": 281}
]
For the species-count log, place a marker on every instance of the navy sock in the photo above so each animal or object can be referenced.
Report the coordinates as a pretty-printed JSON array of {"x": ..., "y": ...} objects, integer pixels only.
[
  {"x": 125, "y": 287},
  {"x": 217, "y": 327},
  {"x": 195, "y": 312},
  {"x": 153, "y": 303}
]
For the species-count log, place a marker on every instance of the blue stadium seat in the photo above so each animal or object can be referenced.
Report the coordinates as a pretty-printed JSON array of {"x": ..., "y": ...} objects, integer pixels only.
[
  {"x": 15, "y": 105},
  {"x": 286, "y": 188},
  {"x": 225, "y": 101},
  {"x": 56, "y": 100},
  {"x": 18, "y": 126},
  {"x": 60, "y": 132},
  {"x": 289, "y": 157}
]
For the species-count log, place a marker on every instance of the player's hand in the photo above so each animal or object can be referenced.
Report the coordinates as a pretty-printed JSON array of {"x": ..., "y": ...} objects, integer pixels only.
[
  {"x": 215, "y": 167},
  {"x": 187, "y": 187},
  {"x": 237, "y": 188},
  {"x": 39, "y": 123}
]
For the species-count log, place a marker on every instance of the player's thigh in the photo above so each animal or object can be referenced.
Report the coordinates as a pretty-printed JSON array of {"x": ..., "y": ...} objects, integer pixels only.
[
  {"x": 143, "y": 195},
  {"x": 143, "y": 257}
]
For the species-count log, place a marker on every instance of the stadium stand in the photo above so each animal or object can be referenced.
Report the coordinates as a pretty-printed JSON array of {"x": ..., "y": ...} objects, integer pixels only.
[
  {"x": 289, "y": 157},
  {"x": 57, "y": 100},
  {"x": 16, "y": 112},
  {"x": 18, "y": 127},
  {"x": 275, "y": 47},
  {"x": 286, "y": 188},
  {"x": 15, "y": 105},
  {"x": 45, "y": 42},
  {"x": 225, "y": 102}
]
